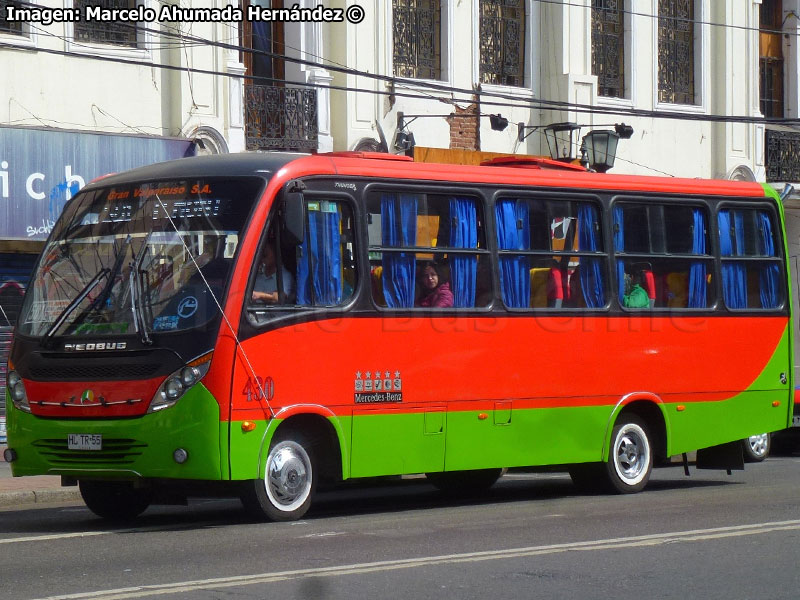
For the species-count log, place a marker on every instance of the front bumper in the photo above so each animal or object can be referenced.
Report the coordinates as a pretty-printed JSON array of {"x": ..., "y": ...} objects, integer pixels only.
[{"x": 140, "y": 447}]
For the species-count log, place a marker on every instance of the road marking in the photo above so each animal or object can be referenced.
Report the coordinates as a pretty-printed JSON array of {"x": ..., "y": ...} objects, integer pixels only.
[
  {"x": 80, "y": 534},
  {"x": 324, "y": 534},
  {"x": 410, "y": 563}
]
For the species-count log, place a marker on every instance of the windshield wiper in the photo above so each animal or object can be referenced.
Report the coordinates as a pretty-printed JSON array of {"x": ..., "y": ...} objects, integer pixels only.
[
  {"x": 134, "y": 280},
  {"x": 118, "y": 260},
  {"x": 76, "y": 302},
  {"x": 101, "y": 298}
]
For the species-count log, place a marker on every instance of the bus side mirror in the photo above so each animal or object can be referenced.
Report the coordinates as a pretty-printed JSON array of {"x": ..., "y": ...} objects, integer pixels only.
[{"x": 294, "y": 217}]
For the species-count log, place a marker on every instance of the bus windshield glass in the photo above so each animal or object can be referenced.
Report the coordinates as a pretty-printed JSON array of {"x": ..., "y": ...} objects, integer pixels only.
[{"x": 138, "y": 259}]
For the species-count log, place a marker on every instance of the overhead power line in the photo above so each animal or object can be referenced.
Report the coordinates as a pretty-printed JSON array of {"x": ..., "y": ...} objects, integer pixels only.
[{"x": 465, "y": 95}]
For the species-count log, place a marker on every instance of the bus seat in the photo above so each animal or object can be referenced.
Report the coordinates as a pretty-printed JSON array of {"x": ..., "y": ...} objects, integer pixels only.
[
  {"x": 649, "y": 284},
  {"x": 677, "y": 290},
  {"x": 377, "y": 285},
  {"x": 555, "y": 288},
  {"x": 539, "y": 287}
]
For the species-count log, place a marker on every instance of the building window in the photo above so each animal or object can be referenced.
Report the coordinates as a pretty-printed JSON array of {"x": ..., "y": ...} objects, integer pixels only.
[
  {"x": 608, "y": 47},
  {"x": 94, "y": 31},
  {"x": 11, "y": 27},
  {"x": 417, "y": 38},
  {"x": 676, "y": 23},
  {"x": 770, "y": 61},
  {"x": 502, "y": 42}
]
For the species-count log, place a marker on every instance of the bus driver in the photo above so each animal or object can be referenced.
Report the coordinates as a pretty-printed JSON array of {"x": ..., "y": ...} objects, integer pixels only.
[{"x": 265, "y": 289}]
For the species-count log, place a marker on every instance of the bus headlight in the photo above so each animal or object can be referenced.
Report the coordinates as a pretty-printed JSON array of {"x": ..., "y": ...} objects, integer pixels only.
[
  {"x": 190, "y": 376},
  {"x": 176, "y": 385},
  {"x": 16, "y": 389}
]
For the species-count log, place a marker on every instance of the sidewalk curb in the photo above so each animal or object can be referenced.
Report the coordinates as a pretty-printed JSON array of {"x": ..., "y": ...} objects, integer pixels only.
[{"x": 69, "y": 494}]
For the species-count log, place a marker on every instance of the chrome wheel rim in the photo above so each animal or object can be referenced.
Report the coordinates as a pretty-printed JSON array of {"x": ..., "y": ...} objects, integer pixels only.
[
  {"x": 759, "y": 444},
  {"x": 631, "y": 454},
  {"x": 288, "y": 477}
]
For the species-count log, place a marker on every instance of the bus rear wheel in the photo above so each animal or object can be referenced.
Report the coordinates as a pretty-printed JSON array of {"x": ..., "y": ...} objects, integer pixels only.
[
  {"x": 285, "y": 491},
  {"x": 756, "y": 447},
  {"x": 115, "y": 500},
  {"x": 630, "y": 459}
]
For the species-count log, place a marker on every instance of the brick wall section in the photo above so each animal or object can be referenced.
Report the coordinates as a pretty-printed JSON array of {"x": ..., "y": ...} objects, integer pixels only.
[{"x": 464, "y": 131}]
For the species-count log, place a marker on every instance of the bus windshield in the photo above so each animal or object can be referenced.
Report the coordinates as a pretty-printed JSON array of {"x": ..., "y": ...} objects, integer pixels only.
[{"x": 138, "y": 259}]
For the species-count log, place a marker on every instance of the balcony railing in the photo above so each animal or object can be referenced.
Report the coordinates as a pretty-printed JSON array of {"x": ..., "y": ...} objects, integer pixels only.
[
  {"x": 783, "y": 156},
  {"x": 280, "y": 118}
]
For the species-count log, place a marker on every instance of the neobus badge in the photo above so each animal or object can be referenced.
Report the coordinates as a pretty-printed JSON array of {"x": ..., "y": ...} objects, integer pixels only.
[{"x": 94, "y": 347}]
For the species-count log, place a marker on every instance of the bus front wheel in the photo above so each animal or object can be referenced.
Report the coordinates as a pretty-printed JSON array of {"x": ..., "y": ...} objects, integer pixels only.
[
  {"x": 115, "y": 500},
  {"x": 285, "y": 491},
  {"x": 630, "y": 460}
]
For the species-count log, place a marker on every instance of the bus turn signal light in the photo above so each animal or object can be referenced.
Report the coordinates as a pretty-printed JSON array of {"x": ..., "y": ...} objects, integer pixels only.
[
  {"x": 482, "y": 416},
  {"x": 248, "y": 426},
  {"x": 680, "y": 408},
  {"x": 776, "y": 403}
]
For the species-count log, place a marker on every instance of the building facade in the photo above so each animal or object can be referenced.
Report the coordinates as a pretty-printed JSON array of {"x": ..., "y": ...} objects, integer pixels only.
[{"x": 687, "y": 75}]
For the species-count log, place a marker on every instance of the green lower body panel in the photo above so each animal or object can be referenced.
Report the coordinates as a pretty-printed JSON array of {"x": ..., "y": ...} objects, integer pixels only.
[
  {"x": 516, "y": 438},
  {"x": 412, "y": 441},
  {"x": 704, "y": 424},
  {"x": 137, "y": 447}
]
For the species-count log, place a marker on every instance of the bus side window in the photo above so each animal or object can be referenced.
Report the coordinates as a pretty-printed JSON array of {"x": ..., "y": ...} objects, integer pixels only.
[
  {"x": 266, "y": 289},
  {"x": 411, "y": 232},
  {"x": 756, "y": 283},
  {"x": 676, "y": 271},
  {"x": 326, "y": 269}
]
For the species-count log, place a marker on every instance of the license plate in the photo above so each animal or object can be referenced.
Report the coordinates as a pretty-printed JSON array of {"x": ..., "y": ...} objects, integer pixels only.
[{"x": 84, "y": 441}]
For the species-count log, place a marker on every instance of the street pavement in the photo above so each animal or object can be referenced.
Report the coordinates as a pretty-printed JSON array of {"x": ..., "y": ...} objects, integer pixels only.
[{"x": 32, "y": 490}]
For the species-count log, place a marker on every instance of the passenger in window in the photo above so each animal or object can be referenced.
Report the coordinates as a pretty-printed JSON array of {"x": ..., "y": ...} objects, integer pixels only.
[
  {"x": 436, "y": 291},
  {"x": 265, "y": 290},
  {"x": 637, "y": 296}
]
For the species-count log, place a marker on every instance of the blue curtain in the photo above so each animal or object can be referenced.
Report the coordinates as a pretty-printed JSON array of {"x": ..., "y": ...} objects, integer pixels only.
[
  {"x": 463, "y": 234},
  {"x": 513, "y": 233},
  {"x": 619, "y": 246},
  {"x": 734, "y": 279},
  {"x": 697, "y": 271},
  {"x": 398, "y": 229},
  {"x": 591, "y": 270},
  {"x": 322, "y": 248},
  {"x": 770, "y": 272}
]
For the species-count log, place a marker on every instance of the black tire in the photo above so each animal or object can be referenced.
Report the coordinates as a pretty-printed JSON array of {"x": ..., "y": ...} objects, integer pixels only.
[
  {"x": 464, "y": 483},
  {"x": 757, "y": 447},
  {"x": 630, "y": 457},
  {"x": 286, "y": 490},
  {"x": 115, "y": 500}
]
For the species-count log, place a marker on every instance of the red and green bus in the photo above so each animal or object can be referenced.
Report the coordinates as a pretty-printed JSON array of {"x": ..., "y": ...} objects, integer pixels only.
[{"x": 259, "y": 325}]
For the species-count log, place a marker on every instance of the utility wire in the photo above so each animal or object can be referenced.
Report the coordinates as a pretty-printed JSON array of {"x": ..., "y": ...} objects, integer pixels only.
[
  {"x": 510, "y": 100},
  {"x": 676, "y": 19},
  {"x": 516, "y": 102}
]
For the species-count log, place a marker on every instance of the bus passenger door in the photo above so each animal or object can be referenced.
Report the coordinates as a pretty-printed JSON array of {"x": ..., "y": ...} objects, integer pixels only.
[{"x": 396, "y": 441}]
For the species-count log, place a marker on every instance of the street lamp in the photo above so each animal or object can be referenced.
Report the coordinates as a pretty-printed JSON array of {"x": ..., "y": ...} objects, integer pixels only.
[
  {"x": 560, "y": 140},
  {"x": 600, "y": 146}
]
